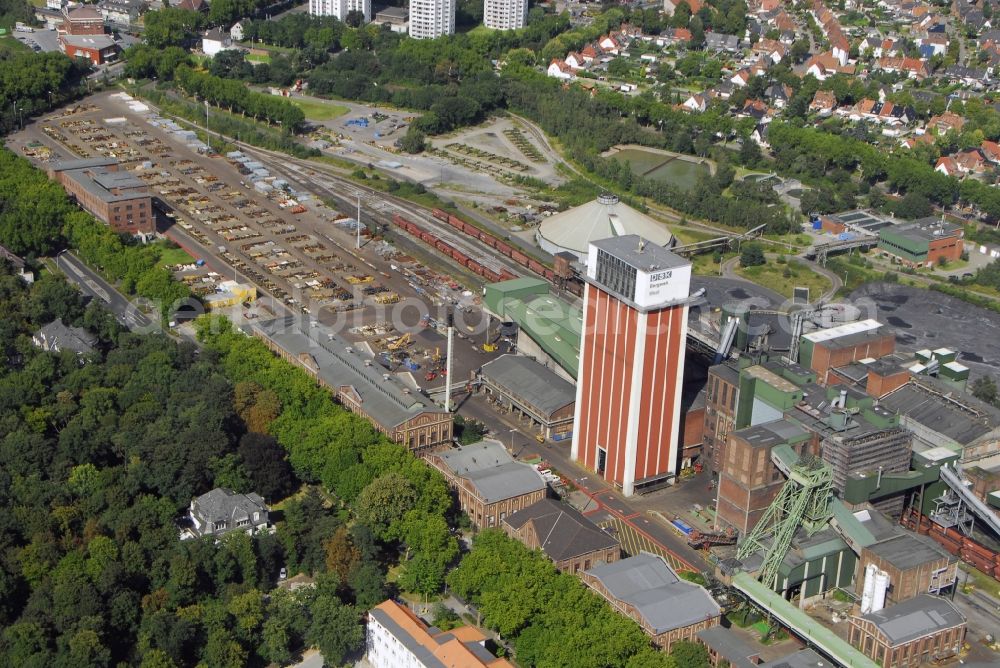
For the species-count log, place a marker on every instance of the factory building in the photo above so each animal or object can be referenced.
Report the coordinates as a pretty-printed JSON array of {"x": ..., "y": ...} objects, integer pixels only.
[
  {"x": 632, "y": 355},
  {"x": 392, "y": 407},
  {"x": 913, "y": 565},
  {"x": 909, "y": 634},
  {"x": 647, "y": 590},
  {"x": 923, "y": 243},
  {"x": 114, "y": 197},
  {"x": 533, "y": 392},
  {"x": 489, "y": 484},
  {"x": 838, "y": 346},
  {"x": 564, "y": 534},
  {"x": 749, "y": 481},
  {"x": 549, "y": 329}
]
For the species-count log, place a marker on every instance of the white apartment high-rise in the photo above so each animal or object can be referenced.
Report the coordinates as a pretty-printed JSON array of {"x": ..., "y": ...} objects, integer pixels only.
[
  {"x": 505, "y": 14},
  {"x": 431, "y": 18},
  {"x": 339, "y": 9}
]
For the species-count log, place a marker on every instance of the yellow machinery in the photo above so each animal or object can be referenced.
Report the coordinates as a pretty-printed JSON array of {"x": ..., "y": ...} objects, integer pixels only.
[
  {"x": 358, "y": 279},
  {"x": 387, "y": 298},
  {"x": 490, "y": 347},
  {"x": 401, "y": 342}
]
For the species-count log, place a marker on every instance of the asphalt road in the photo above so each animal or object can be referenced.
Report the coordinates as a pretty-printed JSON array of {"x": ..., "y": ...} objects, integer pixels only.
[{"x": 92, "y": 285}]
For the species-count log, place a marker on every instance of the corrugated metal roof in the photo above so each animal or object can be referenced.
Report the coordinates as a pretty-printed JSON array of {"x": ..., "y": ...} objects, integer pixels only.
[{"x": 538, "y": 387}]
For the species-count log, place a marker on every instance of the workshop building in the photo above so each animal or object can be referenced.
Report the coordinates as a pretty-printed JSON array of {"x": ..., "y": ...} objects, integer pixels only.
[
  {"x": 393, "y": 407},
  {"x": 838, "y": 346},
  {"x": 533, "y": 392},
  {"x": 923, "y": 243},
  {"x": 915, "y": 565},
  {"x": 569, "y": 539},
  {"x": 114, "y": 197},
  {"x": 913, "y": 633},
  {"x": 98, "y": 49},
  {"x": 645, "y": 589},
  {"x": 489, "y": 483}
]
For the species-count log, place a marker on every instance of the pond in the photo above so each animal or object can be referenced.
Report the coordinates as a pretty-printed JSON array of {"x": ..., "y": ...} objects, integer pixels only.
[{"x": 682, "y": 172}]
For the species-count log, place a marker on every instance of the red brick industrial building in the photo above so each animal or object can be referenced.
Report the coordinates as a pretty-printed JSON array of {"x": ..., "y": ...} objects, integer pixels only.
[
  {"x": 114, "y": 197},
  {"x": 628, "y": 398}
]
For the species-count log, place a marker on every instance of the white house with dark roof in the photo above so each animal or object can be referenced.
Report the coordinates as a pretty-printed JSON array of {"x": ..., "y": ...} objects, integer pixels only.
[
  {"x": 222, "y": 510},
  {"x": 57, "y": 336}
]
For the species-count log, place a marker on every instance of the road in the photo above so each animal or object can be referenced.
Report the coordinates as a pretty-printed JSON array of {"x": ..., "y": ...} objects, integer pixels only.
[{"x": 92, "y": 285}]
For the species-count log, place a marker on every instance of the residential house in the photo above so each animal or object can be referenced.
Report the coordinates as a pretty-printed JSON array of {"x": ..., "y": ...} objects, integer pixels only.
[
  {"x": 647, "y": 590},
  {"x": 967, "y": 76},
  {"x": 870, "y": 42},
  {"x": 575, "y": 60},
  {"x": 670, "y": 6},
  {"x": 886, "y": 113},
  {"x": 589, "y": 53},
  {"x": 558, "y": 69},
  {"x": 124, "y": 13},
  {"x": 18, "y": 264},
  {"x": 755, "y": 109},
  {"x": 222, "y": 510},
  {"x": 914, "y": 68},
  {"x": 193, "y": 5},
  {"x": 916, "y": 140},
  {"x": 759, "y": 135},
  {"x": 675, "y": 36},
  {"x": 991, "y": 151},
  {"x": 57, "y": 336},
  {"x": 945, "y": 123},
  {"x": 569, "y": 539},
  {"x": 609, "y": 44},
  {"x": 718, "y": 42},
  {"x": 740, "y": 79},
  {"x": 825, "y": 65},
  {"x": 489, "y": 483},
  {"x": 947, "y": 166},
  {"x": 779, "y": 95},
  {"x": 771, "y": 49},
  {"x": 237, "y": 32},
  {"x": 697, "y": 102},
  {"x": 215, "y": 41},
  {"x": 888, "y": 48},
  {"x": 937, "y": 43},
  {"x": 971, "y": 161},
  {"x": 823, "y": 102}
]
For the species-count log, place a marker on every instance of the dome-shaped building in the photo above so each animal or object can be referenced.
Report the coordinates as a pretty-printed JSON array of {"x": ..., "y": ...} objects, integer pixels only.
[{"x": 574, "y": 229}]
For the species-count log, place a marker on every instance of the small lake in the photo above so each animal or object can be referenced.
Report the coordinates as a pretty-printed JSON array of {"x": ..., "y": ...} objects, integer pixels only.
[{"x": 682, "y": 172}]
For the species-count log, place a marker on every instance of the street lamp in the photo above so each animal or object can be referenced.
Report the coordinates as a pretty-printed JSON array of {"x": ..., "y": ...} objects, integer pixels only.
[{"x": 512, "y": 440}]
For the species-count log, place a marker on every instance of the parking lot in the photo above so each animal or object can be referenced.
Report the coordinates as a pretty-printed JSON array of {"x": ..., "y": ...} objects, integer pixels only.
[{"x": 268, "y": 228}]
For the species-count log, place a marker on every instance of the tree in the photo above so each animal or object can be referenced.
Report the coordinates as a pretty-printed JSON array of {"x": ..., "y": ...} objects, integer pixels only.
[
  {"x": 619, "y": 68},
  {"x": 384, "y": 502},
  {"x": 414, "y": 141},
  {"x": 341, "y": 555},
  {"x": 354, "y": 18},
  {"x": 267, "y": 467},
  {"x": 750, "y": 153},
  {"x": 984, "y": 388},
  {"x": 912, "y": 206},
  {"x": 689, "y": 654},
  {"x": 752, "y": 255},
  {"x": 335, "y": 629}
]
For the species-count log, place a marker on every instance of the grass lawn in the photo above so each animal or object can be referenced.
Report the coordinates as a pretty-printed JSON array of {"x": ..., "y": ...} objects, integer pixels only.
[
  {"x": 172, "y": 256},
  {"x": 318, "y": 110},
  {"x": 258, "y": 58},
  {"x": 704, "y": 264},
  {"x": 689, "y": 236},
  {"x": 10, "y": 45},
  {"x": 771, "y": 275}
]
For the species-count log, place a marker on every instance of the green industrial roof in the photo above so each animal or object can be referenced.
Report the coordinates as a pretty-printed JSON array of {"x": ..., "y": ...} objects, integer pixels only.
[
  {"x": 553, "y": 324},
  {"x": 499, "y": 295}
]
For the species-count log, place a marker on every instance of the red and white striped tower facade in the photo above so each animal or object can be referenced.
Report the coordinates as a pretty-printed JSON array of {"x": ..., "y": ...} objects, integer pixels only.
[{"x": 628, "y": 391}]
